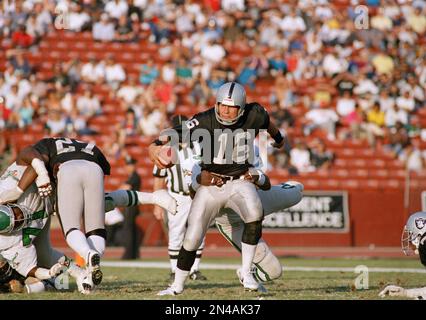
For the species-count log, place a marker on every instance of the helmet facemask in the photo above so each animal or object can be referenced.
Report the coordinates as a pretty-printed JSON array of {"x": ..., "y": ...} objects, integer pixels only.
[
  {"x": 13, "y": 218},
  {"x": 413, "y": 234},
  {"x": 228, "y": 122}
]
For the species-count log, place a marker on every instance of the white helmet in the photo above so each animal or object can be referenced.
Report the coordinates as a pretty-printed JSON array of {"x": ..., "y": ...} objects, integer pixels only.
[
  {"x": 413, "y": 233},
  {"x": 13, "y": 218},
  {"x": 230, "y": 94}
]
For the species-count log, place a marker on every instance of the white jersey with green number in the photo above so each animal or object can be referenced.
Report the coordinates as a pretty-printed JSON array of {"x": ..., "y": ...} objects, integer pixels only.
[{"x": 31, "y": 201}]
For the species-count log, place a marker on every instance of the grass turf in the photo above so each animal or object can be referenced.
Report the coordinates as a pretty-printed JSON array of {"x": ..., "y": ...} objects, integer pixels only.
[{"x": 143, "y": 283}]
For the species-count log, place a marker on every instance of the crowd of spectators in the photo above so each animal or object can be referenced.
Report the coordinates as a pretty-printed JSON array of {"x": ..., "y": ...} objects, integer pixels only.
[{"x": 335, "y": 68}]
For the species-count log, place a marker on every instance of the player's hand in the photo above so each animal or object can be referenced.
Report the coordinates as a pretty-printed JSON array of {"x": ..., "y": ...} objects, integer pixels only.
[
  {"x": 158, "y": 213},
  {"x": 251, "y": 175},
  {"x": 44, "y": 187},
  {"x": 393, "y": 291},
  {"x": 205, "y": 178},
  {"x": 45, "y": 191},
  {"x": 154, "y": 152},
  {"x": 278, "y": 145},
  {"x": 10, "y": 195}
]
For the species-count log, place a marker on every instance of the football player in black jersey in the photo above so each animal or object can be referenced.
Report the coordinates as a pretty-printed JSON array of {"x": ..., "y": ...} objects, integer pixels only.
[
  {"x": 226, "y": 133},
  {"x": 78, "y": 168}
]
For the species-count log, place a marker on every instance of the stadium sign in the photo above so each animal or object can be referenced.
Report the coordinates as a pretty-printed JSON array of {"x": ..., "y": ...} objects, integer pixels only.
[{"x": 318, "y": 211}]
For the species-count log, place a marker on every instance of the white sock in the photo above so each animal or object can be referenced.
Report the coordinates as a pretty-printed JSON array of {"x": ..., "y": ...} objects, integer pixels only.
[
  {"x": 145, "y": 197},
  {"x": 78, "y": 242},
  {"x": 247, "y": 252},
  {"x": 173, "y": 264},
  {"x": 96, "y": 243},
  {"x": 196, "y": 265},
  {"x": 180, "y": 278}
]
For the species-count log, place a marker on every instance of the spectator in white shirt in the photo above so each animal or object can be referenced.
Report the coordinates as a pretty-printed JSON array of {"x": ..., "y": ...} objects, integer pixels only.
[
  {"x": 293, "y": 23},
  {"x": 116, "y": 8},
  {"x": 168, "y": 72},
  {"x": 334, "y": 65},
  {"x": 114, "y": 73},
  {"x": 88, "y": 105},
  {"x": 412, "y": 158},
  {"x": 386, "y": 102},
  {"x": 321, "y": 118},
  {"x": 212, "y": 52},
  {"x": 151, "y": 121},
  {"x": 77, "y": 18},
  {"x": 406, "y": 101},
  {"x": 130, "y": 91},
  {"x": 232, "y": 5},
  {"x": 365, "y": 85},
  {"x": 103, "y": 30},
  {"x": 300, "y": 157},
  {"x": 346, "y": 104},
  {"x": 93, "y": 72}
]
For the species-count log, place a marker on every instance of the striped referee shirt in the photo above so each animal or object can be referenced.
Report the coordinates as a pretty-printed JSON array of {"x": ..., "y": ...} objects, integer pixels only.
[{"x": 178, "y": 177}]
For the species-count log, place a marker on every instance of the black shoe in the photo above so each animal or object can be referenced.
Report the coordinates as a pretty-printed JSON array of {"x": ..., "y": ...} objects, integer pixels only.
[{"x": 197, "y": 275}]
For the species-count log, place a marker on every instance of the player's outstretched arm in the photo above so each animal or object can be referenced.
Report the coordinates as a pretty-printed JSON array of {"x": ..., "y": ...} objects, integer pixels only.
[
  {"x": 275, "y": 133},
  {"x": 259, "y": 178},
  {"x": 31, "y": 157}
]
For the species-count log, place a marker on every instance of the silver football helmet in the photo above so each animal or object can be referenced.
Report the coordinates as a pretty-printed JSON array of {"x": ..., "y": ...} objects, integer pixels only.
[
  {"x": 13, "y": 218},
  {"x": 230, "y": 94},
  {"x": 414, "y": 233}
]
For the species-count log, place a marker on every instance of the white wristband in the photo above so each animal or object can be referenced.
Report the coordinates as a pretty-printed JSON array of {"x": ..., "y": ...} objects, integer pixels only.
[
  {"x": 262, "y": 179},
  {"x": 39, "y": 167}
]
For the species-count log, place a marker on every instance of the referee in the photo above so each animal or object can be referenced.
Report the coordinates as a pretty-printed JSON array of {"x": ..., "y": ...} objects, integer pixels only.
[{"x": 177, "y": 180}]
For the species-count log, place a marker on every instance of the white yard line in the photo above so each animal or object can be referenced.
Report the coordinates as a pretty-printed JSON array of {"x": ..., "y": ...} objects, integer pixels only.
[{"x": 217, "y": 266}]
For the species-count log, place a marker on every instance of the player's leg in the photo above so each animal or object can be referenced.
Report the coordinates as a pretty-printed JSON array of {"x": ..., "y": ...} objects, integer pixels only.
[
  {"x": 184, "y": 205},
  {"x": 176, "y": 225},
  {"x": 128, "y": 198},
  {"x": 94, "y": 217},
  {"x": 10, "y": 280},
  {"x": 70, "y": 205},
  {"x": 205, "y": 206},
  {"x": 268, "y": 267},
  {"x": 47, "y": 256},
  {"x": 280, "y": 197},
  {"x": 245, "y": 200}
]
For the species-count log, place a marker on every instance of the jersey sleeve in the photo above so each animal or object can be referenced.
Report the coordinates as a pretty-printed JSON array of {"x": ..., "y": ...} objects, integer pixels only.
[
  {"x": 263, "y": 117},
  {"x": 159, "y": 173},
  {"x": 103, "y": 162},
  {"x": 184, "y": 132},
  {"x": 44, "y": 146}
]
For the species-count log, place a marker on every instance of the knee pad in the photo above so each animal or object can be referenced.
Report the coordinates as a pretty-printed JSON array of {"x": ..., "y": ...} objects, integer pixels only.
[
  {"x": 268, "y": 267},
  {"x": 186, "y": 259},
  {"x": 252, "y": 232}
]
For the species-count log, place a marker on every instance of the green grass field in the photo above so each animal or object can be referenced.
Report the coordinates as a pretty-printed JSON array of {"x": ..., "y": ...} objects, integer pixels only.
[{"x": 144, "y": 283}]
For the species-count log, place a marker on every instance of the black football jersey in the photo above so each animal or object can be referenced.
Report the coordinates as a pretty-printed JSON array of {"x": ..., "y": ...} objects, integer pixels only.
[
  {"x": 226, "y": 150},
  {"x": 60, "y": 150}
]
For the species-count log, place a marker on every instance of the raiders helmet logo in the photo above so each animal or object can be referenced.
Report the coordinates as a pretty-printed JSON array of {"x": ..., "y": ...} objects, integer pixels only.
[{"x": 420, "y": 223}]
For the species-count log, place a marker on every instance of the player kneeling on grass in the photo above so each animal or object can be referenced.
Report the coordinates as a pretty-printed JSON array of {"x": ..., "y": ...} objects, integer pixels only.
[{"x": 413, "y": 241}]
